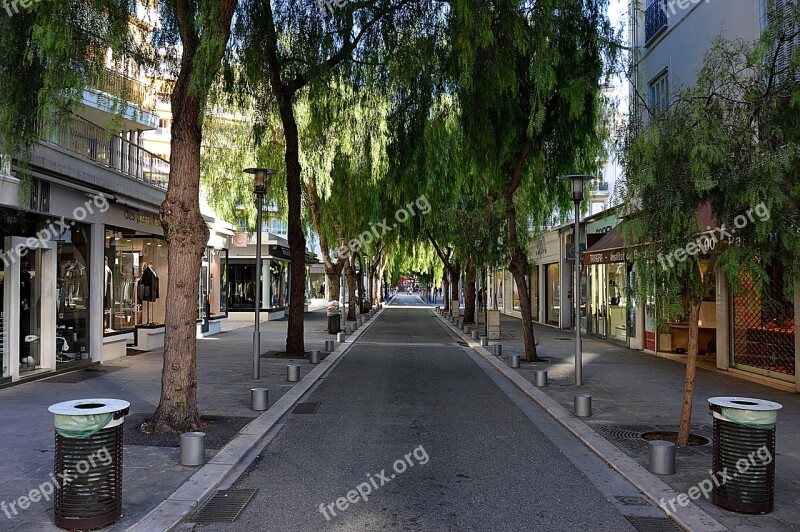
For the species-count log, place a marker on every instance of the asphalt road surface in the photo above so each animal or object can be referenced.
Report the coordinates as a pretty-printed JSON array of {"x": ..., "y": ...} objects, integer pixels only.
[{"x": 422, "y": 435}]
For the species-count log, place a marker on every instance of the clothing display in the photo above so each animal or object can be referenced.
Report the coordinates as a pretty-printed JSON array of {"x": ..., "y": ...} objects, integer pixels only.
[
  {"x": 148, "y": 285},
  {"x": 108, "y": 287}
]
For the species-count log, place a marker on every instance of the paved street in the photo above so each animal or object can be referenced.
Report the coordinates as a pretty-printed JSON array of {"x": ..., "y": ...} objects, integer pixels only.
[{"x": 476, "y": 454}]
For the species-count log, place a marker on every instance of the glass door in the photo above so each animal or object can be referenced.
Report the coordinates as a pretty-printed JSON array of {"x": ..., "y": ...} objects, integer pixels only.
[{"x": 30, "y": 312}]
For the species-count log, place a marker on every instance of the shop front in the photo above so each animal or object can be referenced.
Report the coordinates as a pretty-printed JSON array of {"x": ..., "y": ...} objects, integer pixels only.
[
  {"x": 275, "y": 278},
  {"x": 611, "y": 307}
]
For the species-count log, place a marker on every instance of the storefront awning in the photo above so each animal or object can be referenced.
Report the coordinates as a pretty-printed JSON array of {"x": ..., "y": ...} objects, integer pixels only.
[{"x": 607, "y": 250}]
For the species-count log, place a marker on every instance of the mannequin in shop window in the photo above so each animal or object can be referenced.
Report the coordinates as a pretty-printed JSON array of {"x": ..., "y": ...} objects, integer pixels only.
[
  {"x": 148, "y": 288},
  {"x": 108, "y": 291}
]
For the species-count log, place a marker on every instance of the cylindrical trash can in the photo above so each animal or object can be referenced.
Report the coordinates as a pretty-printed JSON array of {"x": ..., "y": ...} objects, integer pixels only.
[
  {"x": 744, "y": 444},
  {"x": 334, "y": 322},
  {"x": 88, "y": 462}
]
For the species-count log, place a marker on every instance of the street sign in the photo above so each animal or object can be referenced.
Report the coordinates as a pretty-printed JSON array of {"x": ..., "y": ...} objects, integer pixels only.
[{"x": 571, "y": 251}]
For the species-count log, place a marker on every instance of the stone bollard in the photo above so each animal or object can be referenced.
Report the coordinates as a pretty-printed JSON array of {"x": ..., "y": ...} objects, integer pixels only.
[
  {"x": 583, "y": 404},
  {"x": 193, "y": 448},
  {"x": 292, "y": 372},
  {"x": 314, "y": 359},
  {"x": 515, "y": 361},
  {"x": 259, "y": 399},
  {"x": 329, "y": 346},
  {"x": 497, "y": 349},
  {"x": 662, "y": 457},
  {"x": 540, "y": 378}
]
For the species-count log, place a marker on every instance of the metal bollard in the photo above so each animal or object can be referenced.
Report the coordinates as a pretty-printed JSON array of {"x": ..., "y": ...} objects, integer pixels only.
[
  {"x": 340, "y": 337},
  {"x": 662, "y": 457},
  {"x": 292, "y": 372},
  {"x": 467, "y": 330},
  {"x": 348, "y": 330},
  {"x": 259, "y": 399},
  {"x": 329, "y": 346},
  {"x": 193, "y": 448},
  {"x": 540, "y": 378},
  {"x": 515, "y": 361},
  {"x": 583, "y": 404},
  {"x": 354, "y": 325},
  {"x": 314, "y": 357},
  {"x": 497, "y": 349},
  {"x": 474, "y": 335},
  {"x": 484, "y": 341},
  {"x": 360, "y": 321}
]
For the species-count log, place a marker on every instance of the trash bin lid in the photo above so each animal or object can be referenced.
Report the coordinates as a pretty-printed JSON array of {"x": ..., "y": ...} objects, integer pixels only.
[
  {"x": 745, "y": 403},
  {"x": 84, "y": 407}
]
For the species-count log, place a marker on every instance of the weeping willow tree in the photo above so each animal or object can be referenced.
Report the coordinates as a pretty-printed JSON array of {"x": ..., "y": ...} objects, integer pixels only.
[
  {"x": 293, "y": 49},
  {"x": 711, "y": 183}
]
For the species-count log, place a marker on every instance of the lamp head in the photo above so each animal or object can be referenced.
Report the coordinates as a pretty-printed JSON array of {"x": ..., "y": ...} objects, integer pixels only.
[
  {"x": 260, "y": 178},
  {"x": 577, "y": 185}
]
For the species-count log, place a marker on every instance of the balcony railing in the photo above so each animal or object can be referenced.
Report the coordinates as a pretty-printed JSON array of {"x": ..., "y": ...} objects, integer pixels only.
[
  {"x": 80, "y": 136},
  {"x": 655, "y": 18},
  {"x": 125, "y": 88}
]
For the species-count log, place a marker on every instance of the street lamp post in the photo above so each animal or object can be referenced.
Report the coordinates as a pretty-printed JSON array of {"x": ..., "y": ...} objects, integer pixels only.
[
  {"x": 260, "y": 188},
  {"x": 577, "y": 197}
]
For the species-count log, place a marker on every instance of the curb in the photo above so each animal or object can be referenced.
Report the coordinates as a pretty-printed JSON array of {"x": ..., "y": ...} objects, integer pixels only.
[
  {"x": 205, "y": 481},
  {"x": 689, "y": 517}
]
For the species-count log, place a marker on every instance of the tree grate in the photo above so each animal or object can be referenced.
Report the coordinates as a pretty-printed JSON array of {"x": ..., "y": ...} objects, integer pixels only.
[
  {"x": 652, "y": 524},
  {"x": 306, "y": 408},
  {"x": 225, "y": 506}
]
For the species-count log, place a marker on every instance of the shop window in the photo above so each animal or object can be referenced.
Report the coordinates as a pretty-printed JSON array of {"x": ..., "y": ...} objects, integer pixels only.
[
  {"x": 135, "y": 280},
  {"x": 763, "y": 326},
  {"x": 553, "y": 293},
  {"x": 72, "y": 293}
]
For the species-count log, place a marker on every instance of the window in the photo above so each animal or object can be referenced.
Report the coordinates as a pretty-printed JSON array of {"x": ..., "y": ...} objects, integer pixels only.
[
  {"x": 658, "y": 94},
  {"x": 164, "y": 125},
  {"x": 777, "y": 13}
]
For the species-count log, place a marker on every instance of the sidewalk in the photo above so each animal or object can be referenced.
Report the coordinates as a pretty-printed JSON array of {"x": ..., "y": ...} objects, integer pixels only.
[
  {"x": 151, "y": 470},
  {"x": 634, "y": 392}
]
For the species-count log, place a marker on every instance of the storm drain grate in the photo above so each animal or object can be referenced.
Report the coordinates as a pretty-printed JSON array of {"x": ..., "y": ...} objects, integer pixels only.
[
  {"x": 225, "y": 506},
  {"x": 652, "y": 524},
  {"x": 632, "y": 501},
  {"x": 306, "y": 408},
  {"x": 627, "y": 436}
]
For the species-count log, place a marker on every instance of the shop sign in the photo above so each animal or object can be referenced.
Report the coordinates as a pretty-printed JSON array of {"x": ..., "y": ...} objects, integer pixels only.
[
  {"x": 240, "y": 240},
  {"x": 143, "y": 218},
  {"x": 608, "y": 256}
]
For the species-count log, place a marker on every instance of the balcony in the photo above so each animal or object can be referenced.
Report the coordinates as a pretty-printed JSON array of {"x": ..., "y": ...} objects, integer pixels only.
[
  {"x": 601, "y": 187},
  {"x": 85, "y": 138},
  {"x": 655, "y": 19},
  {"x": 124, "y": 88}
]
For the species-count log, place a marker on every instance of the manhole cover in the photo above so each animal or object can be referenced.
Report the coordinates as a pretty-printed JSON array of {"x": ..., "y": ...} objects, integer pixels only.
[
  {"x": 652, "y": 524},
  {"x": 306, "y": 408},
  {"x": 632, "y": 501},
  {"x": 225, "y": 506}
]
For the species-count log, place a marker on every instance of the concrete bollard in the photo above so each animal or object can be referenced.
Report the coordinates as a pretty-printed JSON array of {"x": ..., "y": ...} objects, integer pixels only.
[
  {"x": 193, "y": 448},
  {"x": 292, "y": 372},
  {"x": 314, "y": 359},
  {"x": 497, "y": 349},
  {"x": 662, "y": 457},
  {"x": 329, "y": 346},
  {"x": 340, "y": 337},
  {"x": 540, "y": 378},
  {"x": 474, "y": 335},
  {"x": 583, "y": 404},
  {"x": 484, "y": 341},
  {"x": 259, "y": 399},
  {"x": 515, "y": 361}
]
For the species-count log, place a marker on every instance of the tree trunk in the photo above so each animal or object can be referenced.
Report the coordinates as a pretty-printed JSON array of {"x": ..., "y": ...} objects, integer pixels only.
[
  {"x": 184, "y": 228},
  {"x": 691, "y": 372},
  {"x": 469, "y": 297},
  {"x": 333, "y": 284},
  {"x": 350, "y": 275},
  {"x": 295, "y": 346},
  {"x": 455, "y": 275}
]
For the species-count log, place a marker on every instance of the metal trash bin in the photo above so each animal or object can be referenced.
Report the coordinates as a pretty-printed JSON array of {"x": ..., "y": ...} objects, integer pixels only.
[
  {"x": 334, "y": 318},
  {"x": 744, "y": 448},
  {"x": 88, "y": 462}
]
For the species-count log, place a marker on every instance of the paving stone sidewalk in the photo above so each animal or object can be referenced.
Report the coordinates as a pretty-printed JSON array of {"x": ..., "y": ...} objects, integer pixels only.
[
  {"x": 635, "y": 392},
  {"x": 150, "y": 472}
]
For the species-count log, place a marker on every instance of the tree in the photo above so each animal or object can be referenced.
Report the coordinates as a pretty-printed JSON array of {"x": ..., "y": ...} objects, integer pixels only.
[
  {"x": 725, "y": 153},
  {"x": 278, "y": 67},
  {"x": 528, "y": 84}
]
